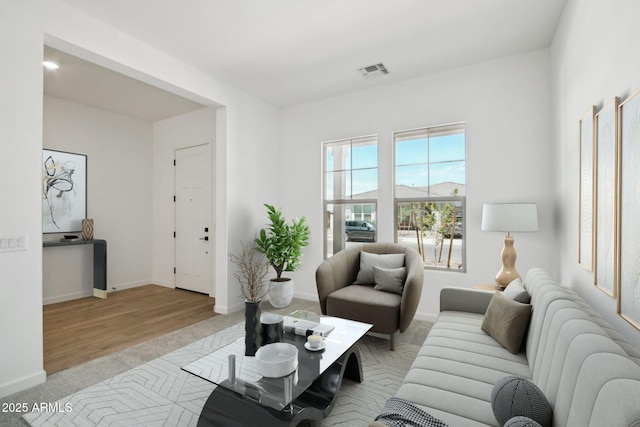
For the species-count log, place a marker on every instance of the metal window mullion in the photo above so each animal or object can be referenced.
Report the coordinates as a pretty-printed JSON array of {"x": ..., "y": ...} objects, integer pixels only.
[
  {"x": 432, "y": 199},
  {"x": 351, "y": 201},
  {"x": 428, "y": 163}
]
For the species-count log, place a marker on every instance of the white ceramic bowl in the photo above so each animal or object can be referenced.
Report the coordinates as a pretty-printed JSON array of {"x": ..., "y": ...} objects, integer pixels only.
[{"x": 276, "y": 360}]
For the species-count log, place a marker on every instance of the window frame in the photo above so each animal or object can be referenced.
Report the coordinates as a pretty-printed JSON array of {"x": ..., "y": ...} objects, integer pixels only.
[
  {"x": 350, "y": 200},
  {"x": 435, "y": 199}
]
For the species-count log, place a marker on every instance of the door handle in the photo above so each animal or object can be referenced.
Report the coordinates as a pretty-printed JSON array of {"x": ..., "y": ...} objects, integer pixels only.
[{"x": 206, "y": 238}]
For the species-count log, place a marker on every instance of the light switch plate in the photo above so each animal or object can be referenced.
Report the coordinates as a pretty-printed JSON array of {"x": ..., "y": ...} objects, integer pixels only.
[{"x": 14, "y": 242}]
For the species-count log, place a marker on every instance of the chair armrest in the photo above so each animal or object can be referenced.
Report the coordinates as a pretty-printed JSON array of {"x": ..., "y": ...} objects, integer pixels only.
[
  {"x": 336, "y": 272},
  {"x": 412, "y": 288},
  {"x": 464, "y": 299},
  {"x": 325, "y": 283}
]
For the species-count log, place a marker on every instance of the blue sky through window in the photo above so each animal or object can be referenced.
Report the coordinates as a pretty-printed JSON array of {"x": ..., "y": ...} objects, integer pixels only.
[
  {"x": 429, "y": 161},
  {"x": 419, "y": 162}
]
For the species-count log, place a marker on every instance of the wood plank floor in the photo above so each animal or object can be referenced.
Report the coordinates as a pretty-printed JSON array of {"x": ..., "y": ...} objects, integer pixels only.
[{"x": 87, "y": 328}]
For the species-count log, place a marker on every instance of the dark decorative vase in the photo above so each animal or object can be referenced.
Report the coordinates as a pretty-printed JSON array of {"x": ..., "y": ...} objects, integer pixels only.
[{"x": 252, "y": 337}]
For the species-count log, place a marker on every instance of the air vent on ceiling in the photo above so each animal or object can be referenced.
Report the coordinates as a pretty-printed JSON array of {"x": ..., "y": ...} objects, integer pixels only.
[{"x": 373, "y": 70}]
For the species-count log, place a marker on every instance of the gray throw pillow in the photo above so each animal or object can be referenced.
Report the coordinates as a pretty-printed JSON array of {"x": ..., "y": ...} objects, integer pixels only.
[
  {"x": 521, "y": 422},
  {"x": 389, "y": 279},
  {"x": 506, "y": 321},
  {"x": 517, "y": 292},
  {"x": 514, "y": 396},
  {"x": 368, "y": 260}
]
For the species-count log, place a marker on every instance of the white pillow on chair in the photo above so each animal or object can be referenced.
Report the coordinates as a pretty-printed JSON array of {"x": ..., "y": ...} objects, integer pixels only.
[{"x": 368, "y": 260}]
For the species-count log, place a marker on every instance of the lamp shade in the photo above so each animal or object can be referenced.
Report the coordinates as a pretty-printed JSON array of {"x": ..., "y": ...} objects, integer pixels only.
[{"x": 509, "y": 217}]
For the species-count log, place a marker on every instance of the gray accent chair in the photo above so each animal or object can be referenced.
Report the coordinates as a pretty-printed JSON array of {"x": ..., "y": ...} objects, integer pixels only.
[{"x": 387, "y": 312}]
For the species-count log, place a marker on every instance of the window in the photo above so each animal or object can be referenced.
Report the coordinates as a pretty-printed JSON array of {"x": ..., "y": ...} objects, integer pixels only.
[
  {"x": 430, "y": 194},
  {"x": 350, "y": 192}
]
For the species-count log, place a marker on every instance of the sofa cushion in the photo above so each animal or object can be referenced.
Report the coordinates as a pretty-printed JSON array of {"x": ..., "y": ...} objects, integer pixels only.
[
  {"x": 515, "y": 396},
  {"x": 368, "y": 260},
  {"x": 506, "y": 321},
  {"x": 454, "y": 371},
  {"x": 389, "y": 279},
  {"x": 363, "y": 303},
  {"x": 516, "y": 291}
]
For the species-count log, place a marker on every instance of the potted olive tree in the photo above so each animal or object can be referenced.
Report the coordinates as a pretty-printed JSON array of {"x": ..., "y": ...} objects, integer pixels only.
[
  {"x": 252, "y": 271},
  {"x": 282, "y": 243}
]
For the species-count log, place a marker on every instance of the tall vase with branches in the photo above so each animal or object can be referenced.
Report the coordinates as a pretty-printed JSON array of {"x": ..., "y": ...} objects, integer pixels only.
[{"x": 252, "y": 271}]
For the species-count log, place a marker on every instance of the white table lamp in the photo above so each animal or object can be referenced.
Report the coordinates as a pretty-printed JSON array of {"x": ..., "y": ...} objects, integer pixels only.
[{"x": 509, "y": 218}]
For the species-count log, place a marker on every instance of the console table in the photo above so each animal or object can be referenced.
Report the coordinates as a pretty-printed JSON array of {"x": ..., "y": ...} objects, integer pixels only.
[{"x": 99, "y": 262}]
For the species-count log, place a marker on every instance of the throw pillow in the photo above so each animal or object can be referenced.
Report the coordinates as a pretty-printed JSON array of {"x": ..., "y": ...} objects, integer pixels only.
[
  {"x": 389, "y": 279},
  {"x": 506, "y": 321},
  {"x": 400, "y": 412},
  {"x": 517, "y": 292},
  {"x": 368, "y": 260},
  {"x": 521, "y": 422},
  {"x": 514, "y": 396}
]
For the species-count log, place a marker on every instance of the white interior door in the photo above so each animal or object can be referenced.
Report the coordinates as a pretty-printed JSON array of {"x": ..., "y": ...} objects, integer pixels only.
[{"x": 193, "y": 219}]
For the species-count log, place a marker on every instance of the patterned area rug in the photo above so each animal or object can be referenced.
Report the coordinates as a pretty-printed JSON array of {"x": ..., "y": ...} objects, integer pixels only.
[{"x": 159, "y": 393}]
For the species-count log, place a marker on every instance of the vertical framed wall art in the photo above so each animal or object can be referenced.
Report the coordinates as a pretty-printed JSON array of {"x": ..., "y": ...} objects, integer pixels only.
[
  {"x": 605, "y": 161},
  {"x": 585, "y": 212},
  {"x": 64, "y": 191},
  {"x": 629, "y": 210}
]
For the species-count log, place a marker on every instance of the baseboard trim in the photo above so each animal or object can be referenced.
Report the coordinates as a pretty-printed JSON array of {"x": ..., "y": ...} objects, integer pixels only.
[
  {"x": 99, "y": 293},
  {"x": 130, "y": 285},
  {"x": 162, "y": 283},
  {"x": 217, "y": 308},
  {"x": 67, "y": 297},
  {"x": 22, "y": 383}
]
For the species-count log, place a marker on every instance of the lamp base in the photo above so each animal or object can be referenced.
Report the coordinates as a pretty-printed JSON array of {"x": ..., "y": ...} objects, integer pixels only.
[{"x": 508, "y": 272}]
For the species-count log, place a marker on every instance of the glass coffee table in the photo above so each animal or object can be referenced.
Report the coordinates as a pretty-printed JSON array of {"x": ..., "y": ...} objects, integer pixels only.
[{"x": 245, "y": 398}]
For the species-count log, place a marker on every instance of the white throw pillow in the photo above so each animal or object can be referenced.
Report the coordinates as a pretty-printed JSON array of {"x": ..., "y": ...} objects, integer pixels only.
[
  {"x": 516, "y": 291},
  {"x": 368, "y": 260}
]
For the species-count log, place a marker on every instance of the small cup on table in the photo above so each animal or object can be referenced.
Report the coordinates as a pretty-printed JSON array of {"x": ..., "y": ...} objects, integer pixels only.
[{"x": 315, "y": 341}]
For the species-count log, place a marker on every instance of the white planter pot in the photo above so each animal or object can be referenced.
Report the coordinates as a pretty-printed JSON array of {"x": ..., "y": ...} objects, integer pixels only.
[{"x": 281, "y": 293}]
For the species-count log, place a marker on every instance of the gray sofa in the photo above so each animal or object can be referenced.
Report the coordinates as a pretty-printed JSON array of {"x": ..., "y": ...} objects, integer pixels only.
[{"x": 588, "y": 372}]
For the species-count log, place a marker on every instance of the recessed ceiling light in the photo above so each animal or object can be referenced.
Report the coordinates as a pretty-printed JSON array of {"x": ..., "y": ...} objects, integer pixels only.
[{"x": 49, "y": 65}]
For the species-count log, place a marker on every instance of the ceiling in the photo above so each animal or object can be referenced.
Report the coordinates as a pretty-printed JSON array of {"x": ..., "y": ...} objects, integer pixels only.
[
  {"x": 90, "y": 84},
  {"x": 292, "y": 51}
]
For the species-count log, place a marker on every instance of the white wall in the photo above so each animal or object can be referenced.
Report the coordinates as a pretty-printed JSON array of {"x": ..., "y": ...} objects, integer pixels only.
[
  {"x": 186, "y": 130},
  {"x": 119, "y": 159},
  {"x": 250, "y": 126},
  {"x": 593, "y": 58},
  {"x": 506, "y": 106},
  {"x": 252, "y": 180},
  {"x": 20, "y": 210}
]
